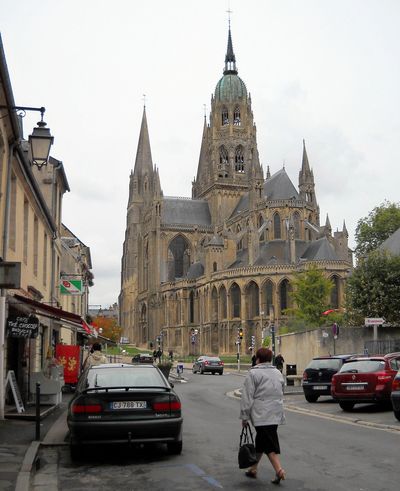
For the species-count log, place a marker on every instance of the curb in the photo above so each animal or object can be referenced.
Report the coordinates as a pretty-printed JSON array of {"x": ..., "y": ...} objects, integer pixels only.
[{"x": 24, "y": 475}]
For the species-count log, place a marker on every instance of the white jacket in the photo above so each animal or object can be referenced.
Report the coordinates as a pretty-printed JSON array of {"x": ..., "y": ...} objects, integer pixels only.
[{"x": 262, "y": 396}]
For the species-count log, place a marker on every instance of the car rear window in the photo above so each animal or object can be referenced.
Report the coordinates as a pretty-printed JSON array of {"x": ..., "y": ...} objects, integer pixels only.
[
  {"x": 363, "y": 366},
  {"x": 126, "y": 377},
  {"x": 213, "y": 358},
  {"x": 327, "y": 363}
]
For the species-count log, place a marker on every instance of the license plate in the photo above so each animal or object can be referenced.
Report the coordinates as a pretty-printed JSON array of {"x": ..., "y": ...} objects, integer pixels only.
[
  {"x": 355, "y": 387},
  {"x": 128, "y": 405},
  {"x": 320, "y": 387}
]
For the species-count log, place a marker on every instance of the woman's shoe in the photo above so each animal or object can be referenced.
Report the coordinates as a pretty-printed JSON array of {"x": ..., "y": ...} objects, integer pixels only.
[
  {"x": 251, "y": 473},
  {"x": 280, "y": 476}
]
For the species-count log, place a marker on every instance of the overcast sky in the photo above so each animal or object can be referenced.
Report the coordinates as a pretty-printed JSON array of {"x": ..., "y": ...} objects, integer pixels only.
[{"x": 325, "y": 71}]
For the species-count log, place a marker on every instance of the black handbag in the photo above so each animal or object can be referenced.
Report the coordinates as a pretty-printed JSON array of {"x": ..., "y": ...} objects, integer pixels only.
[{"x": 247, "y": 451}]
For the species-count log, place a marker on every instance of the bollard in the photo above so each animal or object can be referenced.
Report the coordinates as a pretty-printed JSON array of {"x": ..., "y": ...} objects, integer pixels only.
[{"x": 37, "y": 438}]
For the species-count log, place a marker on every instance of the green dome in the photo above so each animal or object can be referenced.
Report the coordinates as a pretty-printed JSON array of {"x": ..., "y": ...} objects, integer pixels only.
[{"x": 230, "y": 88}]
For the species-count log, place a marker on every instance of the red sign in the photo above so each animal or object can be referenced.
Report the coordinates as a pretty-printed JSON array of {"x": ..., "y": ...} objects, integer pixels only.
[{"x": 69, "y": 357}]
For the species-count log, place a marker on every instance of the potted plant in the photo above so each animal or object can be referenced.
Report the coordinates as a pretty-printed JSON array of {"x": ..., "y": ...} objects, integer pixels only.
[{"x": 165, "y": 367}]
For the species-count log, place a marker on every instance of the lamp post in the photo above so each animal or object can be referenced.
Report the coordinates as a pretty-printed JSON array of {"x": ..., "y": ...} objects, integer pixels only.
[{"x": 40, "y": 140}]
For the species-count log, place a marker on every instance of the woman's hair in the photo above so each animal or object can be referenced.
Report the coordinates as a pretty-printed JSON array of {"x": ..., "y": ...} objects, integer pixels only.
[{"x": 264, "y": 355}]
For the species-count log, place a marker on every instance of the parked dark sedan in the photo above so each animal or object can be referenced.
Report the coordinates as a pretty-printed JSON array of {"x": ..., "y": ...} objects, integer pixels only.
[
  {"x": 366, "y": 379},
  {"x": 318, "y": 374},
  {"x": 395, "y": 396},
  {"x": 211, "y": 364},
  {"x": 143, "y": 358},
  {"x": 123, "y": 403}
]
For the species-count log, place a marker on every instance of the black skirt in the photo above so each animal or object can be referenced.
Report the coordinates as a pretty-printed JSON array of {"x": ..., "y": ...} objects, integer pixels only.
[{"x": 267, "y": 440}]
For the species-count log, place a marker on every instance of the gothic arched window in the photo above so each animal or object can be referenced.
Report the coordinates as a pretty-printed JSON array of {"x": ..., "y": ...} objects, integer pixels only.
[
  {"x": 224, "y": 116},
  {"x": 260, "y": 224},
  {"x": 284, "y": 295},
  {"x": 277, "y": 226},
  {"x": 335, "y": 293},
  {"x": 296, "y": 222},
  {"x": 239, "y": 244},
  {"x": 236, "y": 116},
  {"x": 222, "y": 296},
  {"x": 223, "y": 155},
  {"x": 235, "y": 300},
  {"x": 239, "y": 159},
  {"x": 178, "y": 258}
]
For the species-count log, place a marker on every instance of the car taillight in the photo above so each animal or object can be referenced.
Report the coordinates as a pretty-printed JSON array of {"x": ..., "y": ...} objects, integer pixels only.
[
  {"x": 396, "y": 384},
  {"x": 333, "y": 383},
  {"x": 305, "y": 376},
  {"x": 206, "y": 363},
  {"x": 86, "y": 408},
  {"x": 166, "y": 406},
  {"x": 383, "y": 377},
  {"x": 220, "y": 363}
]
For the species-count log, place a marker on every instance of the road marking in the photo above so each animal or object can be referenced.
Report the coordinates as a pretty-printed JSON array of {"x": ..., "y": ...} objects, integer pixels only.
[
  {"x": 199, "y": 472},
  {"x": 339, "y": 419}
]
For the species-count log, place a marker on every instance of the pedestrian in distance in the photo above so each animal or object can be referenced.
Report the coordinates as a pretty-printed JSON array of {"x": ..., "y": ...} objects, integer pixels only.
[
  {"x": 96, "y": 357},
  {"x": 253, "y": 360},
  {"x": 159, "y": 355},
  {"x": 279, "y": 361},
  {"x": 171, "y": 355},
  {"x": 262, "y": 405}
]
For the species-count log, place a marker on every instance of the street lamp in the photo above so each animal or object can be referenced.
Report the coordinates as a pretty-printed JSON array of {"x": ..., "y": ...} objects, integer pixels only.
[{"x": 40, "y": 140}]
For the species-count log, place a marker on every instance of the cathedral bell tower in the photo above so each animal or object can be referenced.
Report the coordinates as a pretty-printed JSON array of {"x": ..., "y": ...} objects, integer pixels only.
[{"x": 229, "y": 163}]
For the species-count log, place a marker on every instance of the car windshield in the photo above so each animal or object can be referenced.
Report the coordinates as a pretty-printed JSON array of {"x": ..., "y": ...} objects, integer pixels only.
[
  {"x": 125, "y": 377},
  {"x": 327, "y": 363},
  {"x": 363, "y": 366}
]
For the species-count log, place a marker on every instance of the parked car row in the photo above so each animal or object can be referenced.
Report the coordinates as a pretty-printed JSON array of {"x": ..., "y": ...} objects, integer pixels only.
[{"x": 354, "y": 379}]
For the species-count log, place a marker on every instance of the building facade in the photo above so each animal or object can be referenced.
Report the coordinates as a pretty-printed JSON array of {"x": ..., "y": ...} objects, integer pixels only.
[{"x": 195, "y": 270}]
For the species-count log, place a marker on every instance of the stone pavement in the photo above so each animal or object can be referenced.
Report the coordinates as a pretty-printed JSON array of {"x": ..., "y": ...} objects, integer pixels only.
[{"x": 18, "y": 448}]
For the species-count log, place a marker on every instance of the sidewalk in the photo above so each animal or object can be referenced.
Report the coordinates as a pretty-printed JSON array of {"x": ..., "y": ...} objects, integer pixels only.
[{"x": 18, "y": 448}]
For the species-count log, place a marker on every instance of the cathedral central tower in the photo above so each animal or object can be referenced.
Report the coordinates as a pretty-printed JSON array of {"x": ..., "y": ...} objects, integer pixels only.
[{"x": 229, "y": 164}]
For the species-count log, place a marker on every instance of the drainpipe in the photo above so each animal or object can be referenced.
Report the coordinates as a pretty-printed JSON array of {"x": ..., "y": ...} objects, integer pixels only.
[{"x": 3, "y": 292}]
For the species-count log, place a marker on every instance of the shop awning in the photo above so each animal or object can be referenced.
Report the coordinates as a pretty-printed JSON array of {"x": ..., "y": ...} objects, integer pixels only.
[{"x": 55, "y": 313}]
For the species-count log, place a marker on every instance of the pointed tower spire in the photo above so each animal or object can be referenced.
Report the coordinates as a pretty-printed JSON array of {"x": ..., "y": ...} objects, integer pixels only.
[
  {"x": 230, "y": 59},
  {"x": 268, "y": 172},
  {"x": 203, "y": 159},
  {"x": 345, "y": 232},
  {"x": 305, "y": 166},
  {"x": 328, "y": 224},
  {"x": 143, "y": 162}
]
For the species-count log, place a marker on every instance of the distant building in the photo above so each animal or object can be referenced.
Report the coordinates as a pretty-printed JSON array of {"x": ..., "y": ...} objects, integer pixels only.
[{"x": 197, "y": 269}]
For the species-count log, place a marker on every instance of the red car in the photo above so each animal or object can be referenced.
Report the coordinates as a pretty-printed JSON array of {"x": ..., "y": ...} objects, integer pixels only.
[{"x": 365, "y": 379}]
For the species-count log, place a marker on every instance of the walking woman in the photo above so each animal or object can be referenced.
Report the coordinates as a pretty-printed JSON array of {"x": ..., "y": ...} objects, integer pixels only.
[{"x": 262, "y": 405}]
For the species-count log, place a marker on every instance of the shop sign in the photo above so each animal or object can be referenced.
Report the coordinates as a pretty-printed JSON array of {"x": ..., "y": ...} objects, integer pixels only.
[
  {"x": 71, "y": 287},
  {"x": 23, "y": 326}
]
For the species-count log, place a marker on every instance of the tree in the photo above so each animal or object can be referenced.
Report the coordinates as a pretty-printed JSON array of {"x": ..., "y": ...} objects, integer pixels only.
[
  {"x": 311, "y": 291},
  {"x": 109, "y": 327},
  {"x": 373, "y": 290},
  {"x": 372, "y": 230}
]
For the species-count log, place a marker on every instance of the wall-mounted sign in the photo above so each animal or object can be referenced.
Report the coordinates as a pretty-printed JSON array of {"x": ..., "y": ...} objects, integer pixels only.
[
  {"x": 71, "y": 287},
  {"x": 22, "y": 326},
  {"x": 10, "y": 275}
]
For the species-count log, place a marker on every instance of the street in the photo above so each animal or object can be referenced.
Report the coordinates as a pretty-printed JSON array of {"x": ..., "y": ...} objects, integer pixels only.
[{"x": 322, "y": 449}]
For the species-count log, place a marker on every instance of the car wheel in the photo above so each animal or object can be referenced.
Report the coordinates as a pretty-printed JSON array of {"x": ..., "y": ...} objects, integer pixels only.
[
  {"x": 397, "y": 414},
  {"x": 174, "y": 448},
  {"x": 213, "y": 373},
  {"x": 311, "y": 398},
  {"x": 75, "y": 451},
  {"x": 221, "y": 373},
  {"x": 201, "y": 371},
  {"x": 193, "y": 370},
  {"x": 346, "y": 406}
]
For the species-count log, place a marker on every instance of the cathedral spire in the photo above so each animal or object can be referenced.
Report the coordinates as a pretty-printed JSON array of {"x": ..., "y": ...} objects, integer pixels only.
[
  {"x": 305, "y": 166},
  {"x": 230, "y": 59},
  {"x": 143, "y": 162}
]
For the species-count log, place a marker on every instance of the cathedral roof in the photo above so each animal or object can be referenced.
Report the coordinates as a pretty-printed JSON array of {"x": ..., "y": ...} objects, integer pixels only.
[
  {"x": 320, "y": 250},
  {"x": 195, "y": 271},
  {"x": 392, "y": 243},
  {"x": 277, "y": 252},
  {"x": 230, "y": 88},
  {"x": 278, "y": 186},
  {"x": 181, "y": 211}
]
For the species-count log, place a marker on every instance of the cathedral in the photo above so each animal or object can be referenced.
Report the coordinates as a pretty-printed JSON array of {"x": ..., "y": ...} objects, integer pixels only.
[{"x": 198, "y": 271}]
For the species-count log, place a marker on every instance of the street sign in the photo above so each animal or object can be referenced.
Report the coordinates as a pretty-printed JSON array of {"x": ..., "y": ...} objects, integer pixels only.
[
  {"x": 23, "y": 327},
  {"x": 71, "y": 287},
  {"x": 374, "y": 321}
]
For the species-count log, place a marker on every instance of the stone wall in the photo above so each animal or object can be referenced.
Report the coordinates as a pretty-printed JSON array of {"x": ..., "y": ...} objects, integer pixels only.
[{"x": 299, "y": 348}]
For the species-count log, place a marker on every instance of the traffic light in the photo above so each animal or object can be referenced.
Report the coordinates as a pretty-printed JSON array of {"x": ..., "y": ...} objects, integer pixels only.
[{"x": 240, "y": 333}]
